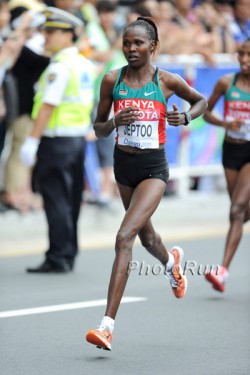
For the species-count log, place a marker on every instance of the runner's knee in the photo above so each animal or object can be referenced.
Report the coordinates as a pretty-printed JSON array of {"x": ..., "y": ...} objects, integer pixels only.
[
  {"x": 125, "y": 239},
  {"x": 237, "y": 212}
]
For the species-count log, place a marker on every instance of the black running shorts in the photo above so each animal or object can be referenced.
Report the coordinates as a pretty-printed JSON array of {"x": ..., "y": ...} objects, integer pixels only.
[
  {"x": 235, "y": 155},
  {"x": 131, "y": 169}
]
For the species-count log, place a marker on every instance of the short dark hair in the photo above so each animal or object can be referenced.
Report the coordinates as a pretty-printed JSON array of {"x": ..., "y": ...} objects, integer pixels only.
[{"x": 149, "y": 25}]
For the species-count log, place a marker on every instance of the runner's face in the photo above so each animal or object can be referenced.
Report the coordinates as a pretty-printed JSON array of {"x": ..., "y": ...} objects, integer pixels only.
[
  {"x": 244, "y": 58},
  {"x": 136, "y": 46}
]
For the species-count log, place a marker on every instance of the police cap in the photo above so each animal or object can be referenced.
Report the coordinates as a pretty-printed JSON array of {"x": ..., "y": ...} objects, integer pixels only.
[{"x": 60, "y": 19}]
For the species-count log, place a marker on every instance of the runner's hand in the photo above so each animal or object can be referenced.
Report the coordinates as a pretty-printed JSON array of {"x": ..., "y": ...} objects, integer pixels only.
[
  {"x": 127, "y": 116},
  {"x": 175, "y": 118},
  {"x": 234, "y": 125}
]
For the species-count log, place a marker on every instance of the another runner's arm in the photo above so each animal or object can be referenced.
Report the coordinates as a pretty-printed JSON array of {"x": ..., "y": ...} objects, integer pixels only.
[
  {"x": 220, "y": 89},
  {"x": 103, "y": 127}
]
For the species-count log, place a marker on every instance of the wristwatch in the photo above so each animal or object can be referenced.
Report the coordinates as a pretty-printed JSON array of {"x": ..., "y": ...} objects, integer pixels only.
[{"x": 188, "y": 117}]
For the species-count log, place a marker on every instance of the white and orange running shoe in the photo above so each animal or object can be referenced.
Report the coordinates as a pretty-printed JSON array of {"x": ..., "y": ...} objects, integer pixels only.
[
  {"x": 102, "y": 339},
  {"x": 178, "y": 280},
  {"x": 217, "y": 278}
]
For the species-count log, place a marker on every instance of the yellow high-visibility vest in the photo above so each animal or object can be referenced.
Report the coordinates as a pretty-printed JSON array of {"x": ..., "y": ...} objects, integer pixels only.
[{"x": 72, "y": 116}]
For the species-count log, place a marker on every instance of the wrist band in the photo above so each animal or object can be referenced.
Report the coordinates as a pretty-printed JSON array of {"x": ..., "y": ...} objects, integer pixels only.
[{"x": 114, "y": 124}]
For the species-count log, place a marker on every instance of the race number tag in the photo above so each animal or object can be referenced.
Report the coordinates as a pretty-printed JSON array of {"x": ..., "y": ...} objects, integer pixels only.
[
  {"x": 139, "y": 134},
  {"x": 238, "y": 109},
  {"x": 243, "y": 133},
  {"x": 143, "y": 133}
]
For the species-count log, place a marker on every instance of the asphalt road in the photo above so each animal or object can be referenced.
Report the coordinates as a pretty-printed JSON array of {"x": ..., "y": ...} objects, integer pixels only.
[{"x": 206, "y": 333}]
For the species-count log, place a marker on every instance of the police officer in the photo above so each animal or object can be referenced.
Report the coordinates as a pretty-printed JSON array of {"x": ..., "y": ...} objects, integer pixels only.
[{"x": 61, "y": 113}]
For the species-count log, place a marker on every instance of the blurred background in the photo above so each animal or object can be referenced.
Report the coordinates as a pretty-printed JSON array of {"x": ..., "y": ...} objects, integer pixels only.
[{"x": 198, "y": 41}]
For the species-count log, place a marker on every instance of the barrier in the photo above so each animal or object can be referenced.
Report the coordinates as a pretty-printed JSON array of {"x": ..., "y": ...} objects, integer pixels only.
[
  {"x": 91, "y": 168},
  {"x": 195, "y": 151}
]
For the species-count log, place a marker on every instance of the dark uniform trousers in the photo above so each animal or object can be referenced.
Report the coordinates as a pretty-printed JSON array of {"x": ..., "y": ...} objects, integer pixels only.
[{"x": 58, "y": 177}]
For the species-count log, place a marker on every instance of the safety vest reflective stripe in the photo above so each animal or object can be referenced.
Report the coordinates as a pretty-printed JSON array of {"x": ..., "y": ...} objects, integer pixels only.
[{"x": 65, "y": 132}]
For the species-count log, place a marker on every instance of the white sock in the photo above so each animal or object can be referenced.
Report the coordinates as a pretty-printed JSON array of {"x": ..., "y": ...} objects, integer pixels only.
[
  {"x": 107, "y": 323},
  {"x": 170, "y": 262}
]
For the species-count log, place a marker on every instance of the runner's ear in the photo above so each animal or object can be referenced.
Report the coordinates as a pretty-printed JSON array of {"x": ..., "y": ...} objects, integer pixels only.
[{"x": 152, "y": 46}]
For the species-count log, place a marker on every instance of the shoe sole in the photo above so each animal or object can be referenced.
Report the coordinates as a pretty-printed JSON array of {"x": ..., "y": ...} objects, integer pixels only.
[
  {"x": 99, "y": 341},
  {"x": 180, "y": 270},
  {"x": 215, "y": 283},
  {"x": 102, "y": 347}
]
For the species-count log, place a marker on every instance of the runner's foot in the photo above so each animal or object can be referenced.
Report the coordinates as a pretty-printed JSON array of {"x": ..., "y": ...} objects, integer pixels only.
[
  {"x": 178, "y": 281},
  {"x": 102, "y": 339},
  {"x": 217, "y": 278}
]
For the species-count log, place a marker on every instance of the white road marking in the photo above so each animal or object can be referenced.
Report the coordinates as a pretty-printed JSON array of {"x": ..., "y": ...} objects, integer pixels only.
[{"x": 64, "y": 307}]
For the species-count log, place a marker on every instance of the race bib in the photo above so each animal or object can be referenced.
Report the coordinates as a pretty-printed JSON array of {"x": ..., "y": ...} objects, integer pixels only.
[
  {"x": 243, "y": 133},
  {"x": 238, "y": 109},
  {"x": 140, "y": 134}
]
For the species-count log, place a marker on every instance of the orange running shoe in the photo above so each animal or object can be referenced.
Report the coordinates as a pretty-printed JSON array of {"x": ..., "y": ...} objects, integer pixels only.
[
  {"x": 217, "y": 278},
  {"x": 102, "y": 339},
  {"x": 178, "y": 281}
]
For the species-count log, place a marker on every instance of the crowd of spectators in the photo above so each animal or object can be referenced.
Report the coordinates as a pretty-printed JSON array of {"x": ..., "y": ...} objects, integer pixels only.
[{"x": 205, "y": 27}]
